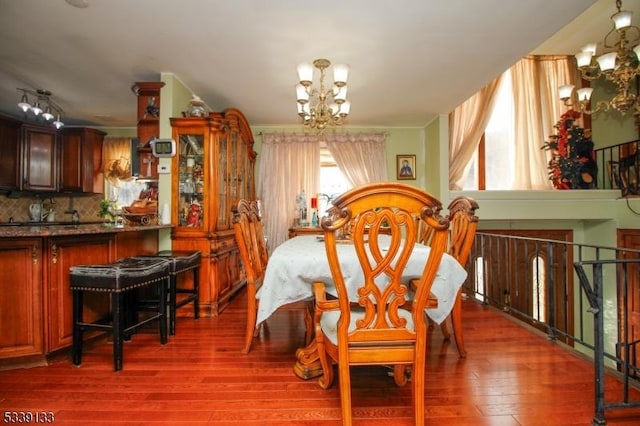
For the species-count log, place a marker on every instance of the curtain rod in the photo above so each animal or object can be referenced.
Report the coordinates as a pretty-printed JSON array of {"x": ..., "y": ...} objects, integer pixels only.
[{"x": 385, "y": 132}]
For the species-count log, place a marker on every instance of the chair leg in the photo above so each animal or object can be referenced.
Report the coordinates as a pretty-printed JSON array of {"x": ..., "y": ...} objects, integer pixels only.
[
  {"x": 345, "y": 393},
  {"x": 418, "y": 383},
  {"x": 162, "y": 308},
  {"x": 326, "y": 379},
  {"x": 196, "y": 292},
  {"x": 400, "y": 374},
  {"x": 77, "y": 328},
  {"x": 173, "y": 283},
  {"x": 252, "y": 314},
  {"x": 456, "y": 320},
  {"x": 446, "y": 335},
  {"x": 117, "y": 302}
]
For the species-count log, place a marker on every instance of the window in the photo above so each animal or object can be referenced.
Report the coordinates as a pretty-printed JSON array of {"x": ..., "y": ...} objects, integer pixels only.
[
  {"x": 493, "y": 166},
  {"x": 332, "y": 180}
]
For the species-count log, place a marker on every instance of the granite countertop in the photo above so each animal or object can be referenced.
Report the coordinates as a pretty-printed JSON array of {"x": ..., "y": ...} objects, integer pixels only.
[{"x": 35, "y": 229}]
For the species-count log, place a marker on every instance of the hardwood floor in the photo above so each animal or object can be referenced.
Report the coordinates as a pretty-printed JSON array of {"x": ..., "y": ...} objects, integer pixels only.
[{"x": 512, "y": 376}]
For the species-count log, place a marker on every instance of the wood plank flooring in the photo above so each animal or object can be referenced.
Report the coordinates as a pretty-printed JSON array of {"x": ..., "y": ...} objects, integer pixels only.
[{"x": 512, "y": 376}]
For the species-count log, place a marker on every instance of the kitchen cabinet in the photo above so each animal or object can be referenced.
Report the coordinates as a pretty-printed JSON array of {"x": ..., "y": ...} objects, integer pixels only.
[
  {"x": 36, "y": 303},
  {"x": 39, "y": 158},
  {"x": 213, "y": 168},
  {"x": 61, "y": 254},
  {"x": 21, "y": 299},
  {"x": 9, "y": 136},
  {"x": 81, "y": 160}
]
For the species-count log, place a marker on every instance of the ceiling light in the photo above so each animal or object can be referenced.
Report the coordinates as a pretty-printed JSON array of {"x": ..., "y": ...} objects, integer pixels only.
[
  {"x": 320, "y": 107},
  {"x": 43, "y": 106},
  {"x": 78, "y": 3},
  {"x": 619, "y": 63}
]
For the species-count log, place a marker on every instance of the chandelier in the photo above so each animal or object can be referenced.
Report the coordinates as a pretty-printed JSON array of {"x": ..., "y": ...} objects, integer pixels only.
[
  {"x": 618, "y": 64},
  {"x": 41, "y": 106},
  {"x": 320, "y": 107}
]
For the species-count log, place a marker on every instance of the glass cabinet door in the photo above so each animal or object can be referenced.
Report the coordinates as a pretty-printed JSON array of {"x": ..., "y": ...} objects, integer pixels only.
[
  {"x": 191, "y": 180},
  {"x": 224, "y": 206}
]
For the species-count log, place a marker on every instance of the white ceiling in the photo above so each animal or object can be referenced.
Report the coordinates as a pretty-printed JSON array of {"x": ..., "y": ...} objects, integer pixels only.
[{"x": 409, "y": 59}]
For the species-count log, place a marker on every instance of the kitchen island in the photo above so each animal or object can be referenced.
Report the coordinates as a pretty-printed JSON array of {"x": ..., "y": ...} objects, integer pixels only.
[{"x": 35, "y": 300}]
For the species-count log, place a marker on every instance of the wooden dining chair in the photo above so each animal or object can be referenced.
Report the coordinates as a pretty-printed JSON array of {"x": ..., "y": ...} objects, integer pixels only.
[
  {"x": 462, "y": 232},
  {"x": 463, "y": 224},
  {"x": 372, "y": 325},
  {"x": 247, "y": 226}
]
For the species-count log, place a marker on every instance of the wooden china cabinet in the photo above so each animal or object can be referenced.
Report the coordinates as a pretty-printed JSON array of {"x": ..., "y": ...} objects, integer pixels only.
[{"x": 213, "y": 168}]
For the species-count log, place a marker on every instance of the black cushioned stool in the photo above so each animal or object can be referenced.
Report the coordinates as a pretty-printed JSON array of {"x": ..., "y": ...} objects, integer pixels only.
[
  {"x": 181, "y": 262},
  {"x": 119, "y": 279}
]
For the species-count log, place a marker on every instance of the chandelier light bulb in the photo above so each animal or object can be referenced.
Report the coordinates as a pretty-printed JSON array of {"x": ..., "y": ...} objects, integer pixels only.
[
  {"x": 305, "y": 74},
  {"x": 584, "y": 94},
  {"x": 340, "y": 95},
  {"x": 607, "y": 61},
  {"x": 564, "y": 92},
  {"x": 622, "y": 19},
  {"x": 345, "y": 108},
  {"x": 340, "y": 74},
  {"x": 301, "y": 94},
  {"x": 584, "y": 58},
  {"x": 590, "y": 48}
]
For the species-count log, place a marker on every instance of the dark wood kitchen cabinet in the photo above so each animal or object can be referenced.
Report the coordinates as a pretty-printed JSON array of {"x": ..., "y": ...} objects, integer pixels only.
[
  {"x": 9, "y": 136},
  {"x": 38, "y": 158},
  {"x": 81, "y": 160}
]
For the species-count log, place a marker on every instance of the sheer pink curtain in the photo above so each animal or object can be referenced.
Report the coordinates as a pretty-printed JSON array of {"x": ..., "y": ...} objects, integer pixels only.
[
  {"x": 537, "y": 108},
  {"x": 466, "y": 126},
  {"x": 360, "y": 156},
  {"x": 288, "y": 163}
]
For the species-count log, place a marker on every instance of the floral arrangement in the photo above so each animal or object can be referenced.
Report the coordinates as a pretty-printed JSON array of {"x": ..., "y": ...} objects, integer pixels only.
[{"x": 572, "y": 164}]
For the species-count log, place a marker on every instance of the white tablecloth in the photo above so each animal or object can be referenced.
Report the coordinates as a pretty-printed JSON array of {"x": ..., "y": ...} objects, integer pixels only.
[{"x": 299, "y": 262}]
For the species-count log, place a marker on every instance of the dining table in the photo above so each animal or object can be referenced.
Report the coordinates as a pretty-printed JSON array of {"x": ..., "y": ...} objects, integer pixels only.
[{"x": 298, "y": 262}]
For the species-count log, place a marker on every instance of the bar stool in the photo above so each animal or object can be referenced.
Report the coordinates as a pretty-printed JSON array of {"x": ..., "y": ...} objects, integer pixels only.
[
  {"x": 181, "y": 261},
  {"x": 119, "y": 279}
]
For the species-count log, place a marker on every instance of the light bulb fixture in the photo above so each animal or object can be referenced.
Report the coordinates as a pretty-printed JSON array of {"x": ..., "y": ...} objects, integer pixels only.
[
  {"x": 47, "y": 113},
  {"x": 320, "y": 107},
  {"x": 42, "y": 106},
  {"x": 619, "y": 63},
  {"x": 24, "y": 104},
  {"x": 58, "y": 124}
]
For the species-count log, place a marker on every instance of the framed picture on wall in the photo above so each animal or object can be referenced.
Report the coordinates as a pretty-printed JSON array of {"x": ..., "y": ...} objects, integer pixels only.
[{"x": 405, "y": 167}]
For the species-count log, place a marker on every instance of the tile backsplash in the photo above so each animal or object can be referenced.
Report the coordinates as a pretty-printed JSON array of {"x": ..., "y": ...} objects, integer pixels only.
[{"x": 18, "y": 208}]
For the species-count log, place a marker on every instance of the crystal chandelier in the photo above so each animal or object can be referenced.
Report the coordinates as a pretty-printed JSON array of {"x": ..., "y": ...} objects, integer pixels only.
[
  {"x": 41, "y": 106},
  {"x": 618, "y": 63},
  {"x": 320, "y": 107}
]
